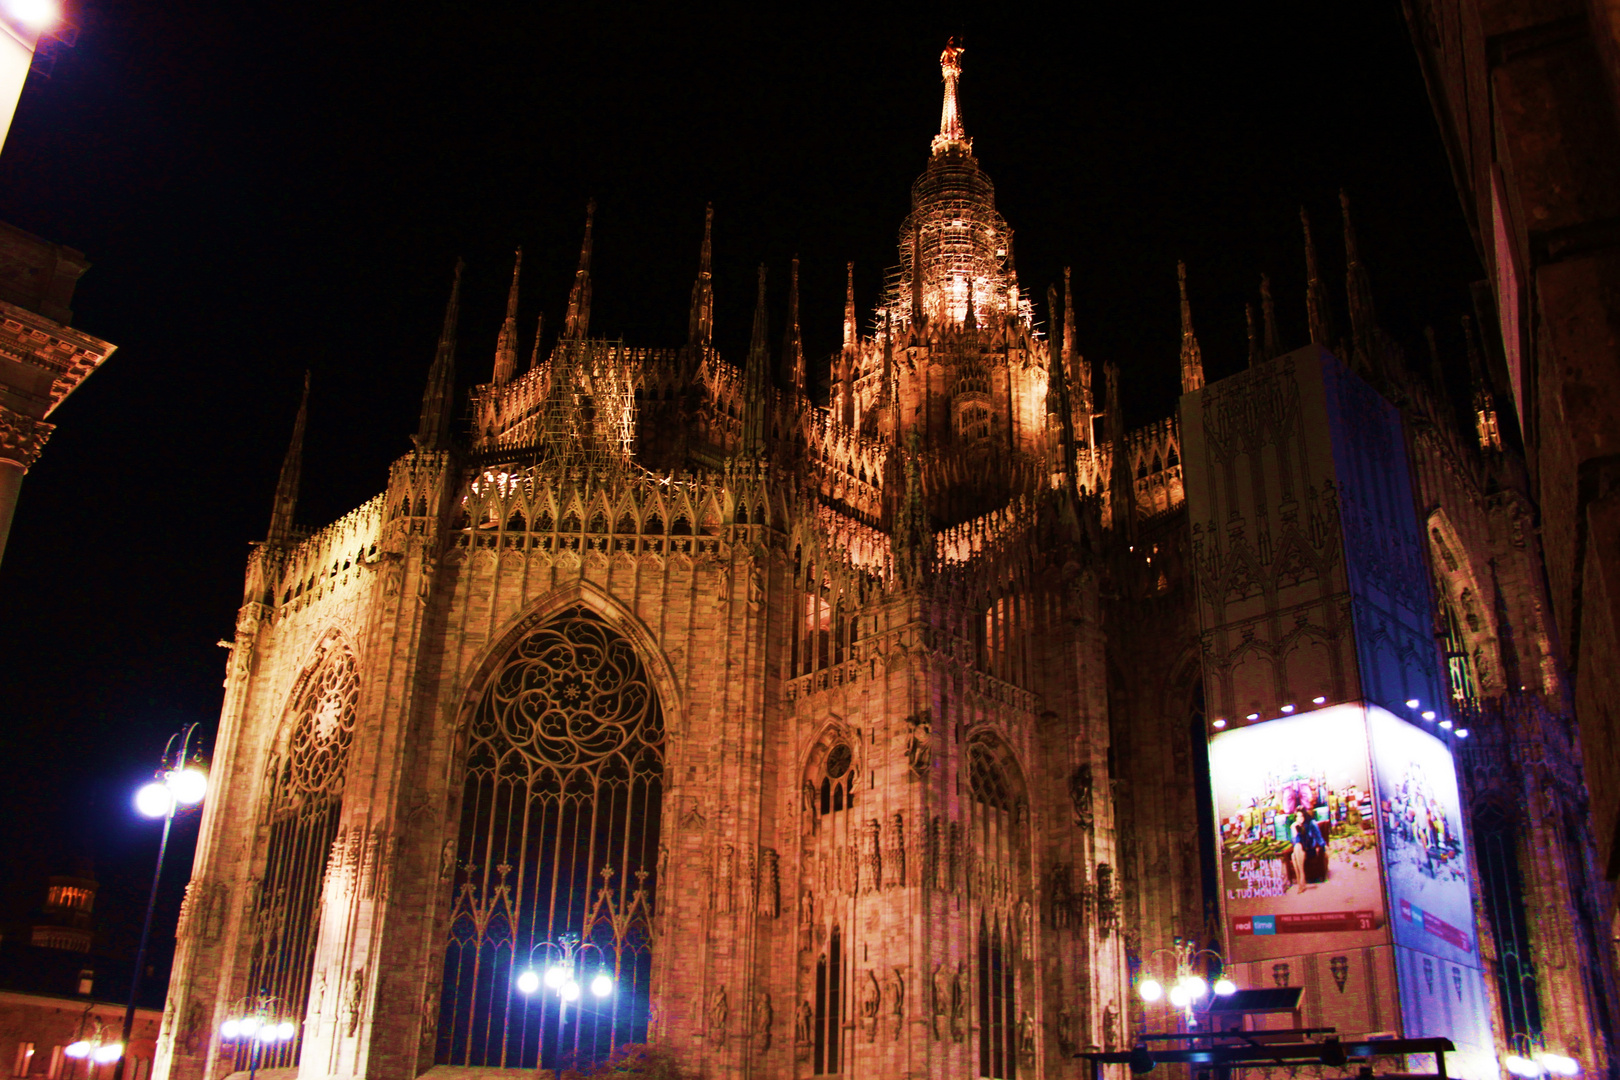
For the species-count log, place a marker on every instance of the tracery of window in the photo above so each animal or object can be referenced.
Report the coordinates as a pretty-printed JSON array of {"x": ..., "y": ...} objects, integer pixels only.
[
  {"x": 996, "y": 885},
  {"x": 304, "y": 802},
  {"x": 973, "y": 420},
  {"x": 1503, "y": 887},
  {"x": 837, "y": 780},
  {"x": 559, "y": 835},
  {"x": 985, "y": 780},
  {"x": 829, "y": 1006},
  {"x": 1459, "y": 667}
]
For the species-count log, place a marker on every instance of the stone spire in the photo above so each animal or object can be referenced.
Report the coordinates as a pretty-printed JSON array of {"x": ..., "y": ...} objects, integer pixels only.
[
  {"x": 972, "y": 320},
  {"x": 756, "y": 383},
  {"x": 1057, "y": 389},
  {"x": 1268, "y": 318},
  {"x": 506, "y": 346},
  {"x": 576, "y": 324},
  {"x": 891, "y": 380},
  {"x": 951, "y": 135},
  {"x": 1121, "y": 486},
  {"x": 433, "y": 432},
  {"x": 1075, "y": 368},
  {"x": 1363, "y": 320},
  {"x": 849, "y": 307},
  {"x": 1192, "y": 360},
  {"x": 1255, "y": 358},
  {"x": 292, "y": 468},
  {"x": 539, "y": 335},
  {"x": 700, "y": 327},
  {"x": 792, "y": 344},
  {"x": 1316, "y": 302}
]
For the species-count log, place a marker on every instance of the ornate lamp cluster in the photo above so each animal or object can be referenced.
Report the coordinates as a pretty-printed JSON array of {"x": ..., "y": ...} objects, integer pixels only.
[
  {"x": 564, "y": 974},
  {"x": 1188, "y": 988},
  {"x": 256, "y": 1024}
]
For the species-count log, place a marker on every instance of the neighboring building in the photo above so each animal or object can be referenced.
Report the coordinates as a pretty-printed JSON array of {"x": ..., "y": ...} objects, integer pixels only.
[
  {"x": 55, "y": 982},
  {"x": 883, "y": 737},
  {"x": 1526, "y": 99},
  {"x": 42, "y": 359}
]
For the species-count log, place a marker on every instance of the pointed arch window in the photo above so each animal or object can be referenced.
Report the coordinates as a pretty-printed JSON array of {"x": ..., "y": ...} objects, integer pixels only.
[
  {"x": 1502, "y": 883},
  {"x": 996, "y": 884},
  {"x": 998, "y": 1024},
  {"x": 302, "y": 810},
  {"x": 1459, "y": 667},
  {"x": 559, "y": 835},
  {"x": 838, "y": 780},
  {"x": 829, "y": 1005}
]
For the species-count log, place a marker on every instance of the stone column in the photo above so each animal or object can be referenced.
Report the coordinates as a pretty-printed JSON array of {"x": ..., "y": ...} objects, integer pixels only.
[{"x": 22, "y": 437}]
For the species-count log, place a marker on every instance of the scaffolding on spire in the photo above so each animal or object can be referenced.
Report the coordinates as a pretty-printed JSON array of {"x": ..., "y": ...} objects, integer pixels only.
[
  {"x": 576, "y": 324},
  {"x": 700, "y": 329}
]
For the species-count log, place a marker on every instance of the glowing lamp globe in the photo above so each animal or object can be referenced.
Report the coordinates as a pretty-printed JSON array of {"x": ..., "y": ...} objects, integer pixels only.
[
  {"x": 1150, "y": 990},
  {"x": 602, "y": 985},
  {"x": 1179, "y": 997},
  {"x": 1225, "y": 987},
  {"x": 153, "y": 799},
  {"x": 229, "y": 1028},
  {"x": 556, "y": 975},
  {"x": 36, "y": 14},
  {"x": 189, "y": 785},
  {"x": 108, "y": 1053},
  {"x": 1520, "y": 1066},
  {"x": 285, "y": 1030},
  {"x": 1559, "y": 1065},
  {"x": 1197, "y": 987},
  {"x": 569, "y": 990},
  {"x": 528, "y": 982},
  {"x": 77, "y": 1049},
  {"x": 248, "y": 1025}
]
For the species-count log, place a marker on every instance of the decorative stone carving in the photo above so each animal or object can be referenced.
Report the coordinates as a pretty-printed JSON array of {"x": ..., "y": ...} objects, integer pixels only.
[
  {"x": 770, "y": 891},
  {"x": 920, "y": 746},
  {"x": 718, "y": 1012},
  {"x": 1026, "y": 1038},
  {"x": 357, "y": 1000},
  {"x": 1080, "y": 795},
  {"x": 22, "y": 438},
  {"x": 894, "y": 993},
  {"x": 804, "y": 1031},
  {"x": 722, "y": 879},
  {"x": 760, "y": 1021},
  {"x": 940, "y": 1009},
  {"x": 958, "y": 1002},
  {"x": 871, "y": 1001},
  {"x": 895, "y": 869}
]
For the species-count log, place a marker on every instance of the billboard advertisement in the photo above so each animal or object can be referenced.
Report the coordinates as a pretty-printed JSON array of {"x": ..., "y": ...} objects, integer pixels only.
[
  {"x": 1421, "y": 833},
  {"x": 1299, "y": 836}
]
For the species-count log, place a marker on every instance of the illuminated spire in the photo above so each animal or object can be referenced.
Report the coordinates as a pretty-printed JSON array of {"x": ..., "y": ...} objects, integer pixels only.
[
  {"x": 1486, "y": 424},
  {"x": 1068, "y": 325},
  {"x": 756, "y": 385},
  {"x": 701, "y": 326},
  {"x": 433, "y": 431},
  {"x": 1192, "y": 360},
  {"x": 576, "y": 324},
  {"x": 951, "y": 135},
  {"x": 1057, "y": 390},
  {"x": 919, "y": 317},
  {"x": 539, "y": 334},
  {"x": 792, "y": 345},
  {"x": 1075, "y": 367},
  {"x": 849, "y": 307},
  {"x": 1316, "y": 302},
  {"x": 891, "y": 379},
  {"x": 972, "y": 320},
  {"x": 506, "y": 346},
  {"x": 1268, "y": 317},
  {"x": 292, "y": 468},
  {"x": 1254, "y": 341}
]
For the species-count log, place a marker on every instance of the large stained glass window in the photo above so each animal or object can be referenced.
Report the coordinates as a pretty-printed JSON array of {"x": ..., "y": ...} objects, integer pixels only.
[{"x": 558, "y": 849}]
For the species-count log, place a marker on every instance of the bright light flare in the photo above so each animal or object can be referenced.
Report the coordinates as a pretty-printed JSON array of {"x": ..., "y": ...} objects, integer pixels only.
[
  {"x": 528, "y": 982},
  {"x": 109, "y": 1053},
  {"x": 1179, "y": 996},
  {"x": 602, "y": 985},
  {"x": 230, "y": 1028},
  {"x": 77, "y": 1049},
  {"x": 189, "y": 785},
  {"x": 1521, "y": 1066},
  {"x": 1150, "y": 990},
  {"x": 1225, "y": 987},
  {"x": 35, "y": 14},
  {"x": 154, "y": 799},
  {"x": 284, "y": 1030},
  {"x": 248, "y": 1025},
  {"x": 1197, "y": 987},
  {"x": 569, "y": 990},
  {"x": 1559, "y": 1065},
  {"x": 556, "y": 975}
]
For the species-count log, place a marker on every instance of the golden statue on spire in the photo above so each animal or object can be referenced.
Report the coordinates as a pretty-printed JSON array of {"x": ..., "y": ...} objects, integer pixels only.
[{"x": 950, "y": 119}]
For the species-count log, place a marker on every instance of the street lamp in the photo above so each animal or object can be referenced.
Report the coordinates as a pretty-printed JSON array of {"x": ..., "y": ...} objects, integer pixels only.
[
  {"x": 93, "y": 1046},
  {"x": 178, "y": 783},
  {"x": 564, "y": 975},
  {"x": 1189, "y": 988},
  {"x": 259, "y": 1027}
]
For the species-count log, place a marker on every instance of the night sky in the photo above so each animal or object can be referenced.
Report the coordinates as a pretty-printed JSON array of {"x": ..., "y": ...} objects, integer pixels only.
[{"x": 265, "y": 189}]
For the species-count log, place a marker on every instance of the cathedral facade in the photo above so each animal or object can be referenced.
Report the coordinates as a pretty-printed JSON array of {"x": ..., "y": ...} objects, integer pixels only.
[{"x": 664, "y": 704}]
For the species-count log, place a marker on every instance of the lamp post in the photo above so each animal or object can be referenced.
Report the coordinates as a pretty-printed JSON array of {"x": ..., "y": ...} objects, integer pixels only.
[
  {"x": 1189, "y": 987},
  {"x": 259, "y": 1026},
  {"x": 93, "y": 1046},
  {"x": 179, "y": 782},
  {"x": 562, "y": 976}
]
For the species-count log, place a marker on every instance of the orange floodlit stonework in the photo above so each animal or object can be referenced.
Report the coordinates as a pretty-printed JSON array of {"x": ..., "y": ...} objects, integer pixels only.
[{"x": 666, "y": 704}]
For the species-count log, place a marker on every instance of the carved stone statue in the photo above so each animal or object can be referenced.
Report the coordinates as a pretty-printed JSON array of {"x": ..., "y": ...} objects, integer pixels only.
[
  {"x": 1026, "y": 1038},
  {"x": 958, "y": 1003},
  {"x": 804, "y": 1031},
  {"x": 871, "y": 1001},
  {"x": 1080, "y": 795},
  {"x": 895, "y": 993},
  {"x": 920, "y": 746},
  {"x": 760, "y": 1023},
  {"x": 941, "y": 1009},
  {"x": 722, "y": 881},
  {"x": 718, "y": 1011}
]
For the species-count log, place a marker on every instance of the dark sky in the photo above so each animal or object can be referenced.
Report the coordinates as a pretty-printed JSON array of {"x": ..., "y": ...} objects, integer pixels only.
[{"x": 267, "y": 188}]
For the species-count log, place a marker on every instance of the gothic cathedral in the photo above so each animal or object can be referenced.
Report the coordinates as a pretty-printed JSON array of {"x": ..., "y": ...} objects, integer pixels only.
[{"x": 663, "y": 704}]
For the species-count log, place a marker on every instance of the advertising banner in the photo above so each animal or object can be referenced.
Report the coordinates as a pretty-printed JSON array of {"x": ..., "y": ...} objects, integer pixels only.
[
  {"x": 1298, "y": 839},
  {"x": 1420, "y": 830}
]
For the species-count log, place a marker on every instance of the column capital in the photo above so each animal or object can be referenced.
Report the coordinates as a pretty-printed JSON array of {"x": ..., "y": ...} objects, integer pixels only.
[{"x": 22, "y": 437}]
